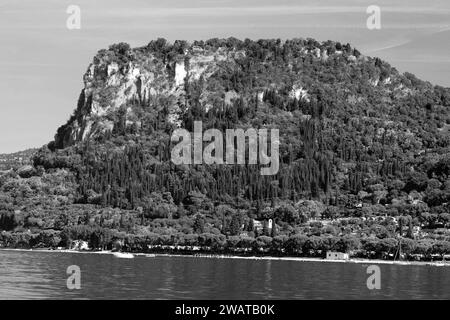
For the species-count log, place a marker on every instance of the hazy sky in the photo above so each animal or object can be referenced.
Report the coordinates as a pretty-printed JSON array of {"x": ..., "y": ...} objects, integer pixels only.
[{"x": 42, "y": 62}]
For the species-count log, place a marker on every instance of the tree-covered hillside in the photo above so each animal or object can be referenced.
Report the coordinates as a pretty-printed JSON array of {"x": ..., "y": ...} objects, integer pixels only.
[
  {"x": 364, "y": 154},
  {"x": 17, "y": 159}
]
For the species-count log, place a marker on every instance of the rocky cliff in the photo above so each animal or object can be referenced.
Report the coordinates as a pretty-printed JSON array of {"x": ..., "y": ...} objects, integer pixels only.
[{"x": 121, "y": 75}]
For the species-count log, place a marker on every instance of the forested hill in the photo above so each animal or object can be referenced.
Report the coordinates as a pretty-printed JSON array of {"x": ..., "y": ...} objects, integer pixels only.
[
  {"x": 16, "y": 160},
  {"x": 358, "y": 140}
]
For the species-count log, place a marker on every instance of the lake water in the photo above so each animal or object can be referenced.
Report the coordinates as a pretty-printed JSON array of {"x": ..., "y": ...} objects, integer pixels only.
[{"x": 42, "y": 275}]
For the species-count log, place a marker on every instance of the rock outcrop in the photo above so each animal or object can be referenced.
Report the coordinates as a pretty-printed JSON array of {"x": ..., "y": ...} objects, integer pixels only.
[{"x": 121, "y": 76}]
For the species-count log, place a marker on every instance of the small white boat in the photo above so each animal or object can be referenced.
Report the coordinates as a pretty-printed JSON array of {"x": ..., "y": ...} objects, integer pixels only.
[
  {"x": 123, "y": 255},
  {"x": 145, "y": 255},
  {"x": 439, "y": 264}
]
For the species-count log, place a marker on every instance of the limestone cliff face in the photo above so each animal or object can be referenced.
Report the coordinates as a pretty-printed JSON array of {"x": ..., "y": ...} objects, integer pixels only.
[
  {"x": 121, "y": 77},
  {"x": 110, "y": 85}
]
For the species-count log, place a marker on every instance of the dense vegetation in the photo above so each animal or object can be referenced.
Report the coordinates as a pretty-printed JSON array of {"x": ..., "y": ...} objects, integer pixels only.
[{"x": 364, "y": 157}]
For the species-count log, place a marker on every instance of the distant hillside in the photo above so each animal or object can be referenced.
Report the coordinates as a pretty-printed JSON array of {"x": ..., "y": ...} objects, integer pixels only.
[{"x": 17, "y": 159}]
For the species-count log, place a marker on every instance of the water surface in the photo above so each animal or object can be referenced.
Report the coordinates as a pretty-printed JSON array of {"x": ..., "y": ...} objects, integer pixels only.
[{"x": 42, "y": 275}]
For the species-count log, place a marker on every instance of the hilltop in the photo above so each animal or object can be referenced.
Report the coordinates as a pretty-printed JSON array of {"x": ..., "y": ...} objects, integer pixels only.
[{"x": 364, "y": 154}]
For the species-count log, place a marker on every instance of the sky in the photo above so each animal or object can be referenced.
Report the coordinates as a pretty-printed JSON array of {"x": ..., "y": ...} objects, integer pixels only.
[{"x": 42, "y": 62}]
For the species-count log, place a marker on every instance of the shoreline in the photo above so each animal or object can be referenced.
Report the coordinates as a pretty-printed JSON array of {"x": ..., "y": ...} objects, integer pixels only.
[{"x": 270, "y": 258}]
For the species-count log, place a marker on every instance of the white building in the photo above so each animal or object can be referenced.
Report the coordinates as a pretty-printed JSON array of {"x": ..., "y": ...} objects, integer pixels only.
[{"x": 332, "y": 255}]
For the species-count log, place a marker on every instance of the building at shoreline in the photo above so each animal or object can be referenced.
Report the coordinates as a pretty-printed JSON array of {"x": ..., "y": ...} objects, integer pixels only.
[{"x": 333, "y": 255}]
